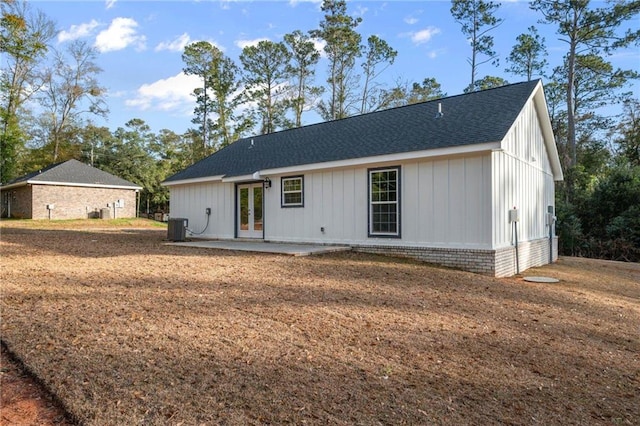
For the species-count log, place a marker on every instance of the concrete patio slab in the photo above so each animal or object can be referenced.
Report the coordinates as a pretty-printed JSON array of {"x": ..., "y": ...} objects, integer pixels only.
[{"x": 264, "y": 247}]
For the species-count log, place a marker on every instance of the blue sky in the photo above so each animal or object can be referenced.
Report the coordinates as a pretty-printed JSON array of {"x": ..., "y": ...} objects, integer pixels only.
[{"x": 140, "y": 45}]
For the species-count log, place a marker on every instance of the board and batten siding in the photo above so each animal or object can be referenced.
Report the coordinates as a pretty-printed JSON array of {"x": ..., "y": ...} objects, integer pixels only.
[
  {"x": 190, "y": 201},
  {"x": 443, "y": 203},
  {"x": 522, "y": 177},
  {"x": 335, "y": 200}
]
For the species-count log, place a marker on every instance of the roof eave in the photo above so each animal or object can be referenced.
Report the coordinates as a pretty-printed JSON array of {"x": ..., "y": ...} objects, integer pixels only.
[
  {"x": 13, "y": 185},
  {"x": 193, "y": 180},
  {"x": 547, "y": 131},
  {"x": 85, "y": 185}
]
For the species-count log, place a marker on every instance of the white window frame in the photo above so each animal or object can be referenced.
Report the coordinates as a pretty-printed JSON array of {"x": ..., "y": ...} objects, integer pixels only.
[
  {"x": 372, "y": 232},
  {"x": 300, "y": 191}
]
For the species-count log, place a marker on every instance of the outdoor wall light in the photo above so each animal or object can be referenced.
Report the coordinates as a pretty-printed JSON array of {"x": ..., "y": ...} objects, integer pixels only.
[{"x": 267, "y": 182}]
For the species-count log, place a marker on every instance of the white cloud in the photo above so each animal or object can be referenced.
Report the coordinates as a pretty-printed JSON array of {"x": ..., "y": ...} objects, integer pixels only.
[
  {"x": 118, "y": 94},
  {"x": 169, "y": 94},
  {"x": 294, "y": 3},
  {"x": 244, "y": 43},
  {"x": 78, "y": 31},
  {"x": 109, "y": 3},
  {"x": 121, "y": 34},
  {"x": 411, "y": 20},
  {"x": 225, "y": 4},
  {"x": 360, "y": 10},
  {"x": 433, "y": 54},
  {"x": 175, "y": 45},
  {"x": 319, "y": 45},
  {"x": 423, "y": 36}
]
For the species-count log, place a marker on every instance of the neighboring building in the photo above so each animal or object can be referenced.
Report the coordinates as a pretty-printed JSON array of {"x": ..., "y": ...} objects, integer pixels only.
[
  {"x": 434, "y": 181},
  {"x": 69, "y": 190}
]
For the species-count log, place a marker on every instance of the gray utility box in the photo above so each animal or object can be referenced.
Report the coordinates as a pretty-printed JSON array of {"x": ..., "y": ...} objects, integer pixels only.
[
  {"x": 177, "y": 229},
  {"x": 105, "y": 213}
]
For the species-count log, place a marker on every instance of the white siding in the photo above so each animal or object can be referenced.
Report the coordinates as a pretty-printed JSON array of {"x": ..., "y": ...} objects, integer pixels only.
[
  {"x": 330, "y": 199},
  {"x": 190, "y": 201},
  {"x": 522, "y": 178},
  {"x": 444, "y": 203}
]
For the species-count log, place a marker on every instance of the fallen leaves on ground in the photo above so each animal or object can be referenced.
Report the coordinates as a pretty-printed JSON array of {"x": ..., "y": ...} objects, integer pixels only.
[{"x": 125, "y": 329}]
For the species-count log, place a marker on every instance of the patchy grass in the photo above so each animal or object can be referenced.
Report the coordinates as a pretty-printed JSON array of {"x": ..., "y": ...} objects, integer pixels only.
[
  {"x": 82, "y": 223},
  {"x": 127, "y": 330}
]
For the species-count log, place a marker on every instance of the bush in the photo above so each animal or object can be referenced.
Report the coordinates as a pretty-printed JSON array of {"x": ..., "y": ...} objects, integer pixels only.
[{"x": 603, "y": 218}]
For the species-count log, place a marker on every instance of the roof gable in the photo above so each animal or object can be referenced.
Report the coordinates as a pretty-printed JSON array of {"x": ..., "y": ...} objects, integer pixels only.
[
  {"x": 469, "y": 119},
  {"x": 72, "y": 172}
]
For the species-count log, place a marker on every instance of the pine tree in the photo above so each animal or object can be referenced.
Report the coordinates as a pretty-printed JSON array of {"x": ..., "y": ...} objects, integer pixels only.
[
  {"x": 266, "y": 76},
  {"x": 477, "y": 18},
  {"x": 342, "y": 49},
  {"x": 528, "y": 55}
]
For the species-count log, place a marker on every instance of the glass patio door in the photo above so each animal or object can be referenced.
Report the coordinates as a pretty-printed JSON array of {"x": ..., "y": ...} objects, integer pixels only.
[{"x": 250, "y": 211}]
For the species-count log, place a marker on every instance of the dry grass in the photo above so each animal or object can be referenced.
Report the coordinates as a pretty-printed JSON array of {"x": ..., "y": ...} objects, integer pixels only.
[{"x": 127, "y": 330}]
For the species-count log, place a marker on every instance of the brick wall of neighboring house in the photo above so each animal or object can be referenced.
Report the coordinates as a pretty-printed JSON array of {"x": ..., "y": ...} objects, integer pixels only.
[
  {"x": 77, "y": 202},
  {"x": 16, "y": 202}
]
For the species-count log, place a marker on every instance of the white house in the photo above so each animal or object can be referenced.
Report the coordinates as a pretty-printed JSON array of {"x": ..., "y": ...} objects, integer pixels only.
[{"x": 436, "y": 181}]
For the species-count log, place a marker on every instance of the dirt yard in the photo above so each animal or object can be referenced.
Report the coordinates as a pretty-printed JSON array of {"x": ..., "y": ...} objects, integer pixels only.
[{"x": 124, "y": 329}]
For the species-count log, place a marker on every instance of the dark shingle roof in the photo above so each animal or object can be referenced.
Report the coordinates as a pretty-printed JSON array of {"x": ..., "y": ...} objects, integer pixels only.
[
  {"x": 473, "y": 118},
  {"x": 73, "y": 172}
]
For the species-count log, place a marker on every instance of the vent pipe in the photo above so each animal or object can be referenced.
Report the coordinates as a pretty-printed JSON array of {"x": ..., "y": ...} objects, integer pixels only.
[{"x": 440, "y": 114}]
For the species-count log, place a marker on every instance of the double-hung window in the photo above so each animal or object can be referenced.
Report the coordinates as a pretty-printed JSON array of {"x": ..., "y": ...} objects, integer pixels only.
[
  {"x": 384, "y": 205},
  {"x": 293, "y": 191}
]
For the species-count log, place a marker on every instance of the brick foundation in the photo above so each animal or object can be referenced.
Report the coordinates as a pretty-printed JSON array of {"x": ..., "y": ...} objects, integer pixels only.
[{"x": 499, "y": 263}]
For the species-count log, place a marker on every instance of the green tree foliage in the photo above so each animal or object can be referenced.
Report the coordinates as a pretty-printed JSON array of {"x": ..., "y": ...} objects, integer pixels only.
[
  {"x": 599, "y": 211},
  {"x": 222, "y": 78},
  {"x": 628, "y": 140},
  {"x": 129, "y": 154},
  {"x": 406, "y": 94},
  {"x": 266, "y": 78},
  {"x": 487, "y": 82},
  {"x": 477, "y": 18},
  {"x": 24, "y": 38},
  {"x": 428, "y": 90},
  {"x": 338, "y": 30},
  {"x": 94, "y": 141},
  {"x": 603, "y": 219},
  {"x": 587, "y": 31},
  {"x": 171, "y": 155},
  {"x": 200, "y": 58},
  {"x": 304, "y": 58},
  {"x": 527, "y": 57},
  {"x": 596, "y": 85},
  {"x": 71, "y": 93},
  {"x": 135, "y": 153},
  {"x": 378, "y": 56}
]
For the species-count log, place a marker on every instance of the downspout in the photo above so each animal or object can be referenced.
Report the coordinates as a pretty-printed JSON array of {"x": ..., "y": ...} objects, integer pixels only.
[
  {"x": 550, "y": 220},
  {"x": 515, "y": 227},
  {"x": 550, "y": 244},
  {"x": 514, "y": 217}
]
